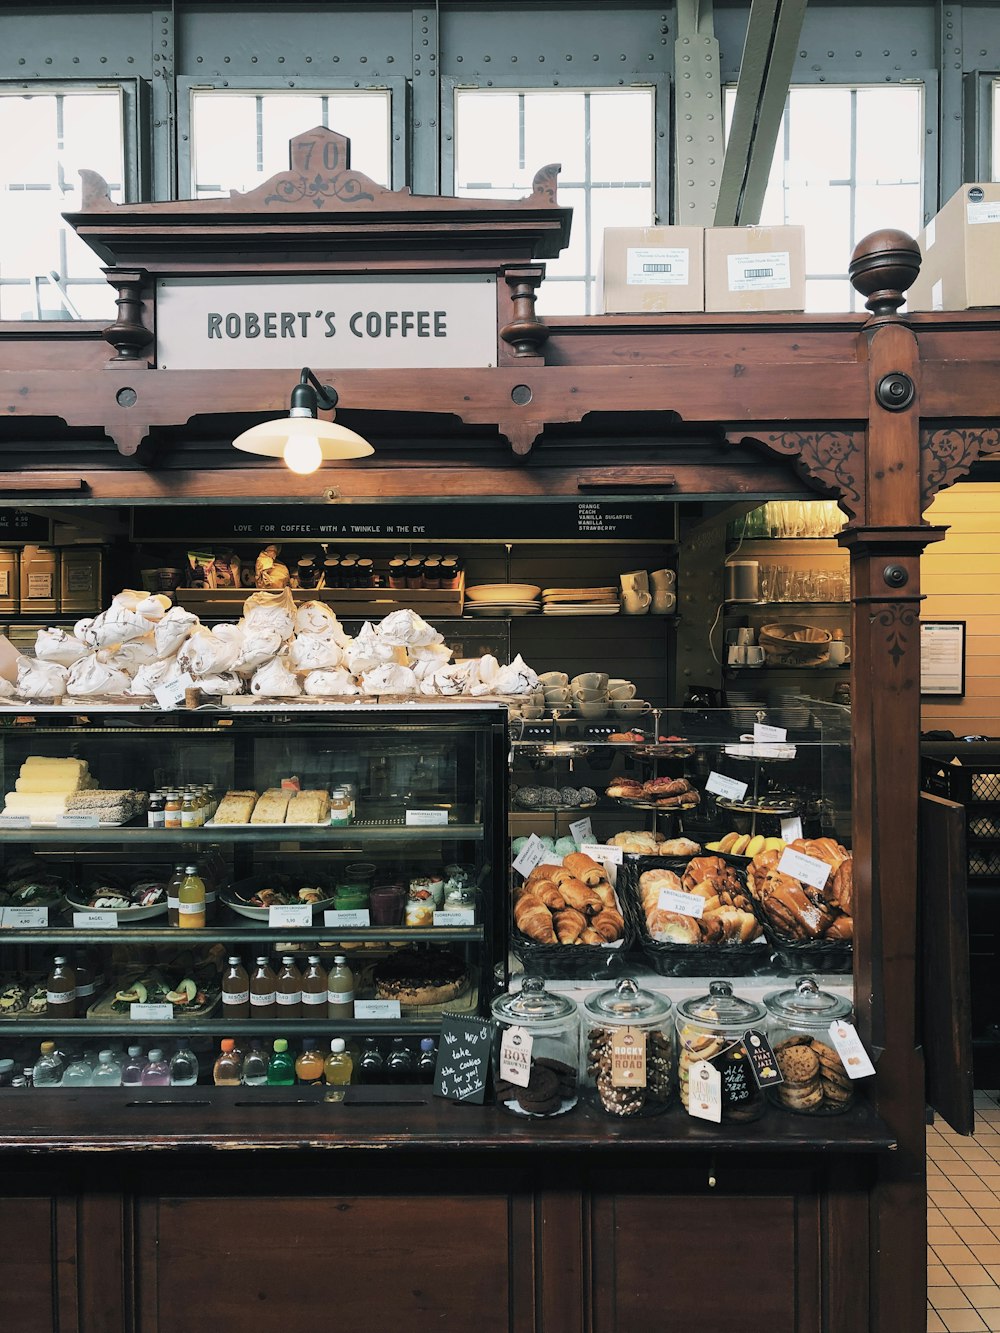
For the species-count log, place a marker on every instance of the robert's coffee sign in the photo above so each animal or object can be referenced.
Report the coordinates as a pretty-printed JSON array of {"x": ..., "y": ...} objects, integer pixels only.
[{"x": 397, "y": 322}]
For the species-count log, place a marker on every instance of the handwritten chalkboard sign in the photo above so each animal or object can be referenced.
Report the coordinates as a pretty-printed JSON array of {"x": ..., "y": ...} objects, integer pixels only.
[{"x": 463, "y": 1061}]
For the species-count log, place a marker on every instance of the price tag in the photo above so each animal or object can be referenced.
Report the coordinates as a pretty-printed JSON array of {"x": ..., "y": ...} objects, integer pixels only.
[
  {"x": 719, "y": 785},
  {"x": 809, "y": 869},
  {"x": 762, "y": 1059},
  {"x": 531, "y": 854},
  {"x": 77, "y": 821},
  {"x": 18, "y": 918},
  {"x": 376, "y": 1009},
  {"x": 853, "y": 1055},
  {"x": 609, "y": 857},
  {"x": 762, "y": 732},
  {"x": 169, "y": 696},
  {"x": 581, "y": 831},
  {"x": 290, "y": 917},
  {"x": 358, "y": 917},
  {"x": 155, "y": 1013},
  {"x": 457, "y": 916},
  {"x": 791, "y": 828},
  {"x": 675, "y": 900},
  {"x": 15, "y": 821},
  {"x": 425, "y": 818},
  {"x": 705, "y": 1092},
  {"x": 628, "y": 1058},
  {"x": 515, "y": 1056},
  {"x": 95, "y": 920}
]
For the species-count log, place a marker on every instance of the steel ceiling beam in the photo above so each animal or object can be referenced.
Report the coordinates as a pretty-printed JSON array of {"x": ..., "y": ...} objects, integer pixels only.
[
  {"x": 773, "y": 32},
  {"x": 699, "y": 131}
]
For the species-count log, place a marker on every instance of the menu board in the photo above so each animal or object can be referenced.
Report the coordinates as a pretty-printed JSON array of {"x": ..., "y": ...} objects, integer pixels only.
[
  {"x": 463, "y": 1061},
  {"x": 17, "y": 525},
  {"x": 942, "y": 657}
]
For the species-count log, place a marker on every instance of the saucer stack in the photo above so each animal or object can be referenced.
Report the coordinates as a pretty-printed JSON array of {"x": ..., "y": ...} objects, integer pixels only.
[
  {"x": 502, "y": 599},
  {"x": 580, "y": 601}
]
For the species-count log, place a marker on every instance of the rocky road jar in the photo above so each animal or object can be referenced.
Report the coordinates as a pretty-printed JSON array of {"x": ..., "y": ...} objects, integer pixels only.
[{"x": 628, "y": 1050}]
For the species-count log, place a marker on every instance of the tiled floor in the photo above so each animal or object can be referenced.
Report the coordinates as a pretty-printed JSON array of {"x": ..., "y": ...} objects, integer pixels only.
[{"x": 963, "y": 1223}]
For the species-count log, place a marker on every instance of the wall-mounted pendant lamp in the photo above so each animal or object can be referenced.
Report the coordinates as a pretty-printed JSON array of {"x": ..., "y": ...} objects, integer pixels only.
[{"x": 301, "y": 439}]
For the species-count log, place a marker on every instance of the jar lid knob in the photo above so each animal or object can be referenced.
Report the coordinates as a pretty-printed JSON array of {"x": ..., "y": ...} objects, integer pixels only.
[
  {"x": 627, "y": 986},
  {"x": 720, "y": 988},
  {"x": 532, "y": 986},
  {"x": 806, "y": 986}
]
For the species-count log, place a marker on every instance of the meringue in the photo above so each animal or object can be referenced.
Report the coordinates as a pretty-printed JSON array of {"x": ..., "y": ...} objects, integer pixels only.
[
  {"x": 259, "y": 646},
  {"x": 311, "y": 652},
  {"x": 407, "y": 629},
  {"x": 90, "y": 677},
  {"x": 330, "y": 683},
  {"x": 55, "y": 645},
  {"x": 40, "y": 680},
  {"x": 390, "y": 678},
  {"x": 275, "y": 681}
]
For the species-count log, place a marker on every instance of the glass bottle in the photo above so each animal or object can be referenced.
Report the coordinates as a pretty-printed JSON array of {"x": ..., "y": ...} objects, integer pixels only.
[
  {"x": 79, "y": 1073},
  {"x": 426, "y": 1061},
  {"x": 338, "y": 1071},
  {"x": 255, "y": 1066},
  {"x": 108, "y": 1073},
  {"x": 263, "y": 1001},
  {"x": 173, "y": 895},
  {"x": 309, "y": 1062},
  {"x": 156, "y": 1071},
  {"x": 340, "y": 808},
  {"x": 235, "y": 990},
  {"x": 289, "y": 989},
  {"x": 189, "y": 810},
  {"x": 228, "y": 1065},
  {"x": 340, "y": 990},
  {"x": 133, "y": 1067},
  {"x": 85, "y": 981},
  {"x": 400, "y": 1065},
  {"x": 191, "y": 900},
  {"x": 281, "y": 1070},
  {"x": 60, "y": 990},
  {"x": 371, "y": 1066},
  {"x": 156, "y": 812},
  {"x": 49, "y": 1068},
  {"x": 6, "y": 1073},
  {"x": 314, "y": 983},
  {"x": 183, "y": 1067},
  {"x": 172, "y": 809}
]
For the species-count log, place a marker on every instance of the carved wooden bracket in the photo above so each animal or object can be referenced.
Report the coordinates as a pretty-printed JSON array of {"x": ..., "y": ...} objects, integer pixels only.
[
  {"x": 947, "y": 454},
  {"x": 521, "y": 435},
  {"x": 831, "y": 461},
  {"x": 128, "y": 335}
]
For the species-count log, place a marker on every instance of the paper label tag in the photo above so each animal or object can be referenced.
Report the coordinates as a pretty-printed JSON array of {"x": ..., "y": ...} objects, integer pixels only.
[
  {"x": 705, "y": 1092},
  {"x": 675, "y": 900},
  {"x": 581, "y": 831},
  {"x": 609, "y": 857},
  {"x": 531, "y": 854},
  {"x": 791, "y": 828},
  {"x": 458, "y": 916},
  {"x": 657, "y": 266},
  {"x": 314, "y": 997},
  {"x": 809, "y": 869},
  {"x": 80, "y": 578},
  {"x": 18, "y": 918},
  {"x": 234, "y": 997},
  {"x": 288, "y": 997},
  {"x": 762, "y": 732},
  {"x": 987, "y": 211},
  {"x": 358, "y": 917},
  {"x": 515, "y": 1056},
  {"x": 376, "y": 1009},
  {"x": 169, "y": 696},
  {"x": 40, "y": 585},
  {"x": 15, "y": 821},
  {"x": 341, "y": 997},
  {"x": 762, "y": 1059},
  {"x": 77, "y": 821},
  {"x": 628, "y": 1058},
  {"x": 852, "y": 1053},
  {"x": 156, "y": 1013},
  {"x": 760, "y": 273},
  {"x": 425, "y": 818},
  {"x": 95, "y": 920},
  {"x": 4, "y": 582},
  {"x": 290, "y": 917},
  {"x": 729, "y": 788}
]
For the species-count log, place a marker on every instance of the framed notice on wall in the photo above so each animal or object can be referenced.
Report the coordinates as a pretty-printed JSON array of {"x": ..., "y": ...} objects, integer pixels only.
[{"x": 942, "y": 657}]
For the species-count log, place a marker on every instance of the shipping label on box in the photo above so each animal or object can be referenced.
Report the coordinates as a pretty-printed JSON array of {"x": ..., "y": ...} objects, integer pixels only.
[
  {"x": 657, "y": 266},
  {"x": 760, "y": 273}
]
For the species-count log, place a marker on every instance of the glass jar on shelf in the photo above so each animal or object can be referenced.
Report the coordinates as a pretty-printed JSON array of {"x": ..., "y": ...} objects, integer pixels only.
[
  {"x": 628, "y": 1050},
  {"x": 538, "y": 1032},
  {"x": 799, "y": 1018},
  {"x": 712, "y": 1027}
]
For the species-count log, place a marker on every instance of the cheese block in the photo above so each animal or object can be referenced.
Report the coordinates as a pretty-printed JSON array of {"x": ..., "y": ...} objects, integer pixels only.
[
  {"x": 236, "y": 807},
  {"x": 43, "y": 806},
  {"x": 49, "y": 783},
  {"x": 271, "y": 807},
  {"x": 309, "y": 807}
]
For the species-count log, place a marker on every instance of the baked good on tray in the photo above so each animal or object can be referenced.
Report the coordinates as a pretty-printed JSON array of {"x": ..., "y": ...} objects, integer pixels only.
[
  {"x": 272, "y": 807},
  {"x": 420, "y": 977},
  {"x": 800, "y": 911},
  {"x": 571, "y": 903},
  {"x": 236, "y": 807},
  {"x": 727, "y": 915}
]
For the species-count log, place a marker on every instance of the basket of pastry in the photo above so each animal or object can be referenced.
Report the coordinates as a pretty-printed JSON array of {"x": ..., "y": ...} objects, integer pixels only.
[
  {"x": 568, "y": 921},
  {"x": 693, "y": 914},
  {"x": 806, "y": 915},
  {"x": 657, "y": 794}
]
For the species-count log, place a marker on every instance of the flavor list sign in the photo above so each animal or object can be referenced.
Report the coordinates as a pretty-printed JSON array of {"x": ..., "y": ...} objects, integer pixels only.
[{"x": 463, "y": 1058}]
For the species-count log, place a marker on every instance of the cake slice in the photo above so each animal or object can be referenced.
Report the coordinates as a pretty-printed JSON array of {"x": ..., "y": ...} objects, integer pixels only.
[
  {"x": 236, "y": 807},
  {"x": 271, "y": 807},
  {"x": 309, "y": 807}
]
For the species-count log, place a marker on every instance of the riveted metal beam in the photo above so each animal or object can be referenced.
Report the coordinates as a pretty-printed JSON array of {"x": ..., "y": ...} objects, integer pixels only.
[
  {"x": 699, "y": 144},
  {"x": 425, "y": 106},
  {"x": 952, "y": 157},
  {"x": 163, "y": 101}
]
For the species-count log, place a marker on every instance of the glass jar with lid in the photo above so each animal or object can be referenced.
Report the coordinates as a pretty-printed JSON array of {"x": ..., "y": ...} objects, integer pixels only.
[
  {"x": 712, "y": 1027},
  {"x": 628, "y": 1050},
  {"x": 815, "y": 1081},
  {"x": 549, "y": 1026}
]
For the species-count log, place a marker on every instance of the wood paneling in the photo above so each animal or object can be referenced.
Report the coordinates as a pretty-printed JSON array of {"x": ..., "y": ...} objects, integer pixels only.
[{"x": 27, "y": 1266}]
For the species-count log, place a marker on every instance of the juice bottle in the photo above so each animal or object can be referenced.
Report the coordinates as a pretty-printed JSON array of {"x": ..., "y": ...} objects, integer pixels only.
[
  {"x": 281, "y": 1070},
  {"x": 340, "y": 990},
  {"x": 339, "y": 1068},
  {"x": 400, "y": 1064},
  {"x": 60, "y": 990},
  {"x": 172, "y": 809},
  {"x": 255, "y": 1065},
  {"x": 192, "y": 900},
  {"x": 189, "y": 809},
  {"x": 309, "y": 1062},
  {"x": 289, "y": 989},
  {"x": 263, "y": 1001},
  {"x": 235, "y": 990},
  {"x": 183, "y": 1066},
  {"x": 426, "y": 1060},
  {"x": 314, "y": 988},
  {"x": 371, "y": 1066},
  {"x": 156, "y": 1071},
  {"x": 133, "y": 1067},
  {"x": 228, "y": 1065},
  {"x": 108, "y": 1073},
  {"x": 173, "y": 895},
  {"x": 49, "y": 1067}
]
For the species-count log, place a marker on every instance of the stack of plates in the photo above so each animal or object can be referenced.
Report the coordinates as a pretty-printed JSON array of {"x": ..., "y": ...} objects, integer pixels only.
[
  {"x": 502, "y": 599},
  {"x": 580, "y": 602}
]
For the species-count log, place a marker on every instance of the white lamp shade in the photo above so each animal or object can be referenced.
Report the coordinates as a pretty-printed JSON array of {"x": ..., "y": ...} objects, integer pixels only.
[{"x": 271, "y": 437}]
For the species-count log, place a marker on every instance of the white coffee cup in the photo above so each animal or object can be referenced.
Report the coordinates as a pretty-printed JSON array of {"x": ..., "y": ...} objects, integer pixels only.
[
  {"x": 755, "y": 654},
  {"x": 590, "y": 680},
  {"x": 744, "y": 634},
  {"x": 737, "y": 654},
  {"x": 663, "y": 603},
  {"x": 840, "y": 652},
  {"x": 663, "y": 580},
  {"x": 548, "y": 678},
  {"x": 636, "y": 580},
  {"x": 636, "y": 602},
  {"x": 621, "y": 689},
  {"x": 594, "y": 711},
  {"x": 631, "y": 707}
]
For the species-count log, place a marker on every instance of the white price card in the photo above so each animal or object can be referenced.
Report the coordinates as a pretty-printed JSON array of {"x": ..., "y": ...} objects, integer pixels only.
[
  {"x": 15, "y": 821},
  {"x": 762, "y": 732},
  {"x": 581, "y": 831},
  {"x": 21, "y": 918},
  {"x": 290, "y": 917},
  {"x": 848, "y": 1045},
  {"x": 809, "y": 869},
  {"x": 609, "y": 857},
  {"x": 155, "y": 1013},
  {"x": 77, "y": 821},
  {"x": 686, "y": 904},
  {"x": 376, "y": 1009},
  {"x": 531, "y": 854},
  {"x": 357, "y": 917},
  {"x": 515, "y": 1056},
  {"x": 425, "y": 818},
  {"x": 719, "y": 785},
  {"x": 705, "y": 1092},
  {"x": 791, "y": 828},
  {"x": 95, "y": 920},
  {"x": 456, "y": 916},
  {"x": 172, "y": 695}
]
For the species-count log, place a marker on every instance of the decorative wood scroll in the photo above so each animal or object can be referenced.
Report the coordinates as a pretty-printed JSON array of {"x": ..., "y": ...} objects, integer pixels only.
[
  {"x": 947, "y": 454},
  {"x": 831, "y": 461}
]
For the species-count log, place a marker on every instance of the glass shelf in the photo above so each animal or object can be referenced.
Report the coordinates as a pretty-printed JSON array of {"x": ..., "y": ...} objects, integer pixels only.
[
  {"x": 244, "y": 933},
  {"x": 193, "y": 1027},
  {"x": 250, "y": 835}
]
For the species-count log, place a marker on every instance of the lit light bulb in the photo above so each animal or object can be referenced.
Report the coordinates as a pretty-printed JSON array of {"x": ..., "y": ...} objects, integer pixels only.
[{"x": 303, "y": 454}]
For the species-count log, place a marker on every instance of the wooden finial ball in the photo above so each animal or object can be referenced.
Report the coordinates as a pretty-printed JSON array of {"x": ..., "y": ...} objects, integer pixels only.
[{"x": 883, "y": 265}]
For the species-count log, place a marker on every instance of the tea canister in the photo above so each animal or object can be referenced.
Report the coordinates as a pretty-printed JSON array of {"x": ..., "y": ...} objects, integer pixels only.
[
  {"x": 815, "y": 1081},
  {"x": 538, "y": 1044},
  {"x": 712, "y": 1027},
  {"x": 628, "y": 1050}
]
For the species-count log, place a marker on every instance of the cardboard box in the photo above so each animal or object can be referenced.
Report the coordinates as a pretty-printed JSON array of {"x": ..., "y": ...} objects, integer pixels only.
[
  {"x": 961, "y": 253},
  {"x": 755, "y": 268},
  {"x": 651, "y": 268}
]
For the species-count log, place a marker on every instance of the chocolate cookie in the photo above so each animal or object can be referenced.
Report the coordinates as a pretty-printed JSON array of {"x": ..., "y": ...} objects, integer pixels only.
[{"x": 798, "y": 1064}]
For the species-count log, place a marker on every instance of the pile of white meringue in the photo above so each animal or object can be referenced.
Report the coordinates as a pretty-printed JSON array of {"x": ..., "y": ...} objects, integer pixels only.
[{"x": 277, "y": 651}]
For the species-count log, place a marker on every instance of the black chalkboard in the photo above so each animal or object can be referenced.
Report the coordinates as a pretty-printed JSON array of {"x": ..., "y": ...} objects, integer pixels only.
[
  {"x": 463, "y": 1062},
  {"x": 16, "y": 525}
]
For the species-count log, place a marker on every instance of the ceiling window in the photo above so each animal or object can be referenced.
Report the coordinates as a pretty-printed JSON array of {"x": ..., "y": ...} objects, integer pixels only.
[
  {"x": 604, "y": 140},
  {"x": 46, "y": 137},
  {"x": 240, "y": 139},
  {"x": 848, "y": 160}
]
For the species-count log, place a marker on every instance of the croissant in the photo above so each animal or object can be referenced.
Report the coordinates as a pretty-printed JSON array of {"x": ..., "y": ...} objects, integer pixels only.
[
  {"x": 590, "y": 936},
  {"x": 584, "y": 867},
  {"x": 840, "y": 929},
  {"x": 570, "y": 925},
  {"x": 542, "y": 872},
  {"x": 546, "y": 892},
  {"x": 606, "y": 894},
  {"x": 581, "y": 897},
  {"x": 534, "y": 919},
  {"x": 608, "y": 924}
]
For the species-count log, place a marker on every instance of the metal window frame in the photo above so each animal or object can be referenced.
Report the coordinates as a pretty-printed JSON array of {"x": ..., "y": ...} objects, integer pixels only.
[
  {"x": 982, "y": 108},
  {"x": 315, "y": 87}
]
